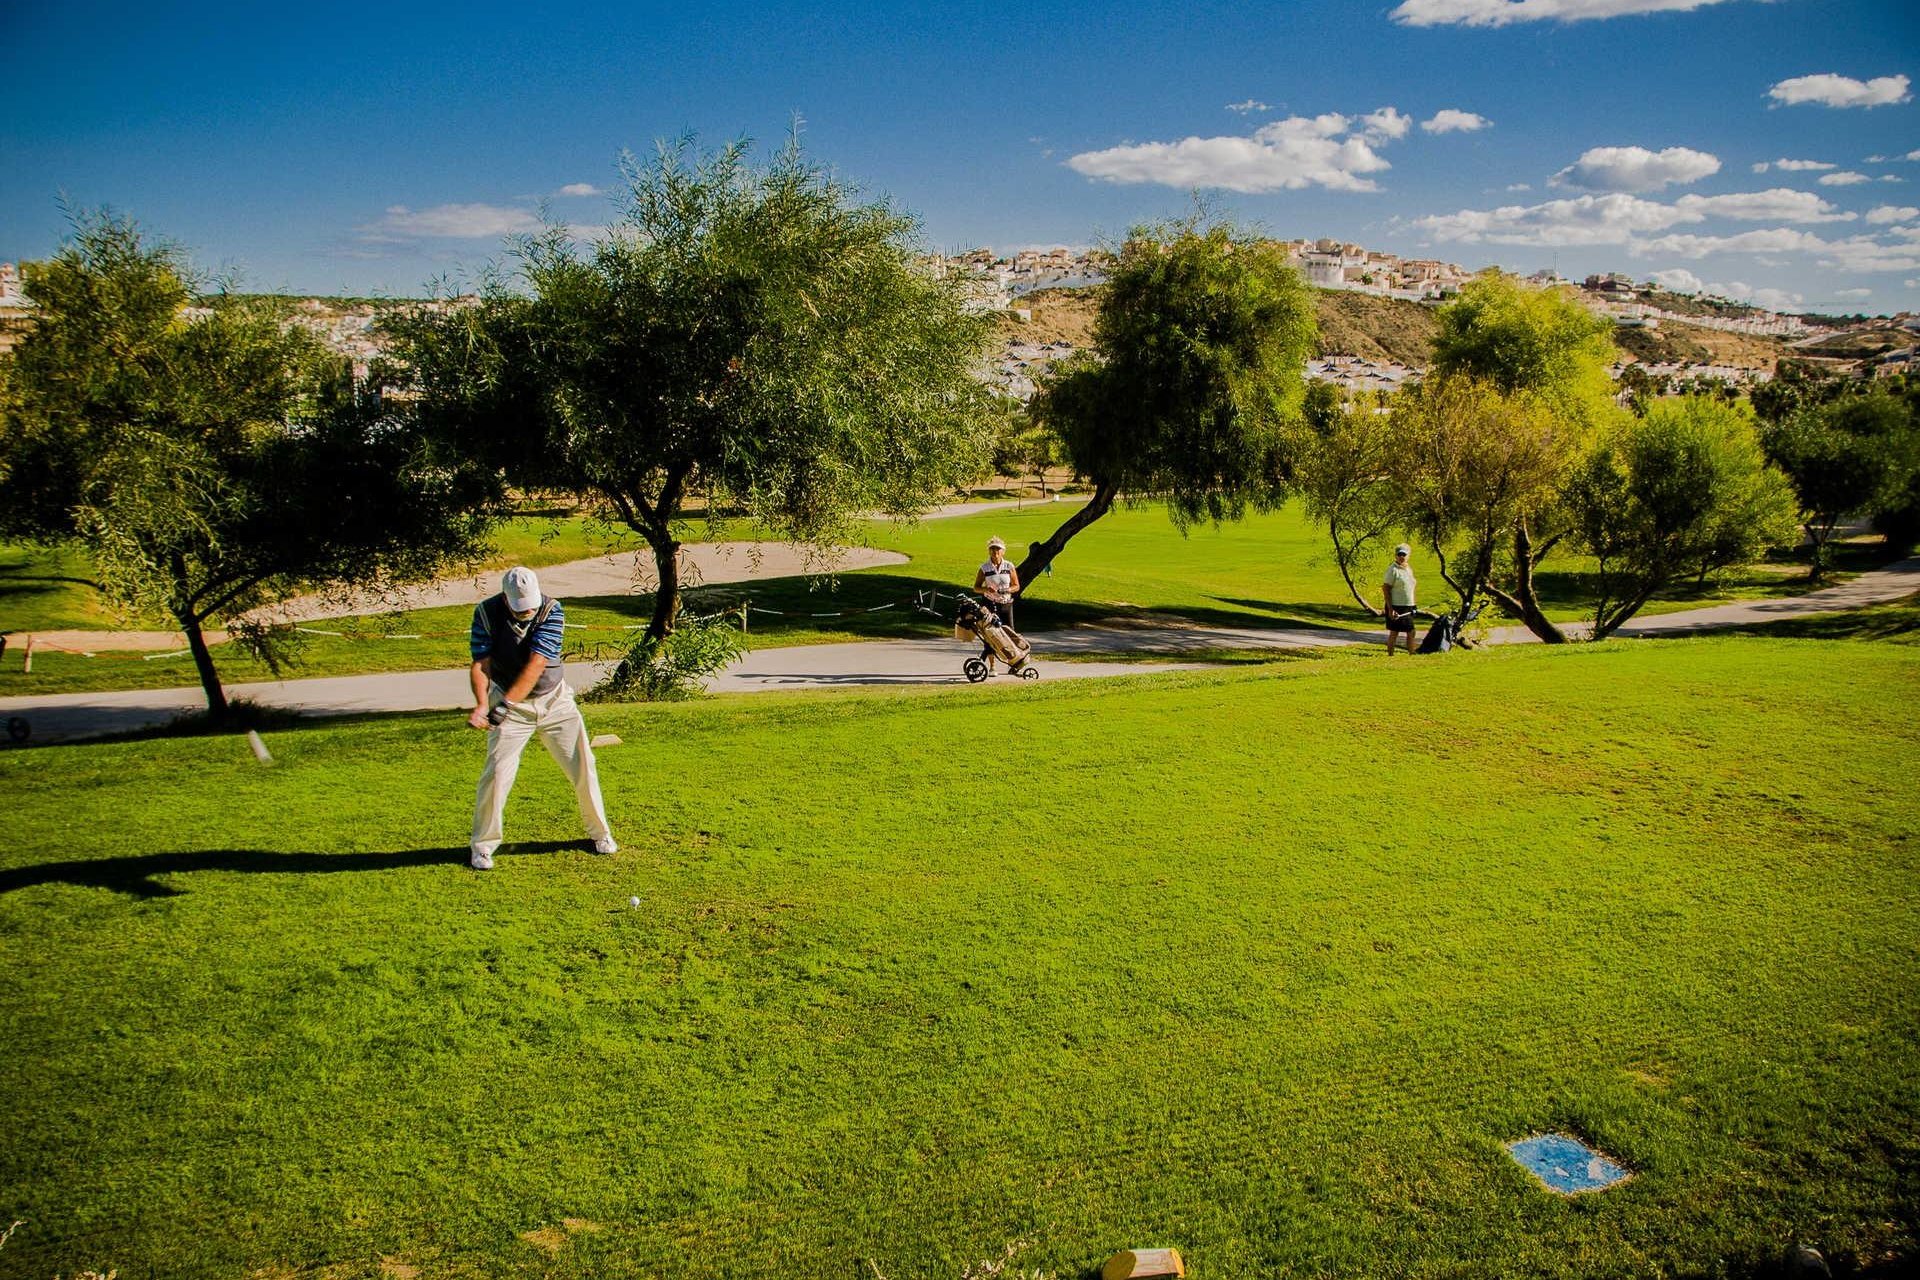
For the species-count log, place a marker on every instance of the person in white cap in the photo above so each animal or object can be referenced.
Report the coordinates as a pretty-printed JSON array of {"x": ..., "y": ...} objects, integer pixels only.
[
  {"x": 998, "y": 582},
  {"x": 1398, "y": 593},
  {"x": 520, "y": 689}
]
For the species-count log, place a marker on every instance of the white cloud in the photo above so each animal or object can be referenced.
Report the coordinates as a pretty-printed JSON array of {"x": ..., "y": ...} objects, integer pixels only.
[
  {"x": 1845, "y": 178},
  {"x": 1781, "y": 204},
  {"x": 1452, "y": 120},
  {"x": 1891, "y": 177},
  {"x": 1892, "y": 213},
  {"x": 1583, "y": 220},
  {"x": 1863, "y": 253},
  {"x": 1251, "y": 105},
  {"x": 1829, "y": 90},
  {"x": 1772, "y": 240},
  {"x": 578, "y": 189},
  {"x": 1618, "y": 219},
  {"x": 1911, "y": 284},
  {"x": 1521, "y": 186},
  {"x": 1853, "y": 293},
  {"x": 1386, "y": 124},
  {"x": 1635, "y": 169},
  {"x": 1499, "y": 13},
  {"x": 454, "y": 222},
  {"x": 1289, "y": 154},
  {"x": 1794, "y": 166},
  {"x": 1680, "y": 280}
]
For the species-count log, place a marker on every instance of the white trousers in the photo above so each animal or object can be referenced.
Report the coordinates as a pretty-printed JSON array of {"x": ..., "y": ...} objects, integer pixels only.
[{"x": 556, "y": 718}]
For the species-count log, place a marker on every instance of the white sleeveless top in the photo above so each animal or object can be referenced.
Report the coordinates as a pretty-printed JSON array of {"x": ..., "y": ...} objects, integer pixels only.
[{"x": 997, "y": 580}]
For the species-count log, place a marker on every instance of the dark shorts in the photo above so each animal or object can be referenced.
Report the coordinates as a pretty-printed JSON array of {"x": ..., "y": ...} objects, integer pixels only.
[
  {"x": 1402, "y": 619},
  {"x": 1004, "y": 612}
]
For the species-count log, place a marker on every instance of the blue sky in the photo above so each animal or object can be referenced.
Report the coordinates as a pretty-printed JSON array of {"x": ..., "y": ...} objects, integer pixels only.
[{"x": 370, "y": 150}]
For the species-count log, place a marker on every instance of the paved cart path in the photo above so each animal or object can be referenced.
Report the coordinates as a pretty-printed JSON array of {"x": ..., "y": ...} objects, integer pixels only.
[{"x": 59, "y": 717}]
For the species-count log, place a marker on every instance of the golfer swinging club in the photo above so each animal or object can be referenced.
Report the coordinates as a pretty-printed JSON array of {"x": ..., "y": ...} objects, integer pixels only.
[{"x": 520, "y": 689}]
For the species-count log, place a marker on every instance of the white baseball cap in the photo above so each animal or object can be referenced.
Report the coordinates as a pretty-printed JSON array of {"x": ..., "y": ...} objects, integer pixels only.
[
  {"x": 995, "y": 542},
  {"x": 521, "y": 589},
  {"x": 1402, "y": 550}
]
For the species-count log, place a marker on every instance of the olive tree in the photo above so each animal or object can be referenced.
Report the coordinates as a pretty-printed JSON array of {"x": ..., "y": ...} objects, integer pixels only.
[
  {"x": 1468, "y": 464},
  {"x": 1193, "y": 387},
  {"x": 1856, "y": 455},
  {"x": 211, "y": 458},
  {"x": 757, "y": 336},
  {"x": 1343, "y": 471},
  {"x": 1545, "y": 359},
  {"x": 1677, "y": 494}
]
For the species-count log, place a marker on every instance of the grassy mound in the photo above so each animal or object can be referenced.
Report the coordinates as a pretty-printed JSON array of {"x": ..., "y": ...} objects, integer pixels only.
[{"x": 1265, "y": 964}]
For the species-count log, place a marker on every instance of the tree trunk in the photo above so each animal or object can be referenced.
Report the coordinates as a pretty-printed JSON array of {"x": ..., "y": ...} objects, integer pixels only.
[
  {"x": 1819, "y": 533},
  {"x": 1604, "y": 627},
  {"x": 1344, "y": 560},
  {"x": 1523, "y": 594},
  {"x": 1041, "y": 554},
  {"x": 203, "y": 662},
  {"x": 666, "y": 600}
]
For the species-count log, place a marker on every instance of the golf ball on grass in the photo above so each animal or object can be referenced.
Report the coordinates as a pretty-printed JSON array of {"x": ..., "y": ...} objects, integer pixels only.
[{"x": 633, "y": 901}]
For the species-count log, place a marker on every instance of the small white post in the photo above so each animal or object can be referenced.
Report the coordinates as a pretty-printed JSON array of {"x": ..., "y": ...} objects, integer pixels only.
[{"x": 258, "y": 747}]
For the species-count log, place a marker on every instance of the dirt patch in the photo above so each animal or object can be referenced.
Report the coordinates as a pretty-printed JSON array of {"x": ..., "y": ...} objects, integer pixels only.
[
  {"x": 552, "y": 1240},
  {"x": 549, "y": 1239},
  {"x": 394, "y": 1269}
]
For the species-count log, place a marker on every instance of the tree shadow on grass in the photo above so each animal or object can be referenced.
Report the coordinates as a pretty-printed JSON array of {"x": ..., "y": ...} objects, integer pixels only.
[{"x": 136, "y": 874}]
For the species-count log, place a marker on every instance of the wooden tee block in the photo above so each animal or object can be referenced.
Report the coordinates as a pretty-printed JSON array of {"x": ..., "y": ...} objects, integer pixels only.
[{"x": 1140, "y": 1264}]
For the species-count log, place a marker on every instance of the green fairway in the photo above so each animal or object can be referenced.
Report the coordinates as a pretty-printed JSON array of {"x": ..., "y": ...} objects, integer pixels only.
[
  {"x": 1266, "y": 964},
  {"x": 1270, "y": 570}
]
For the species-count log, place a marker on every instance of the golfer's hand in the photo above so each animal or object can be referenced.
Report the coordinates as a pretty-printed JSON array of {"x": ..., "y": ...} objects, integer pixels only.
[{"x": 478, "y": 719}]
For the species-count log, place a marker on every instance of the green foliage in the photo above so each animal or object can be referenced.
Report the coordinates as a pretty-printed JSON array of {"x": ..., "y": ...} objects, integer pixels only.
[
  {"x": 755, "y": 335},
  {"x": 1201, "y": 336},
  {"x": 1851, "y": 455},
  {"x": 670, "y": 668},
  {"x": 1194, "y": 385},
  {"x": 1344, "y": 470},
  {"x": 1468, "y": 463},
  {"x": 1234, "y": 979},
  {"x": 211, "y": 462},
  {"x": 1680, "y": 493},
  {"x": 1520, "y": 338}
]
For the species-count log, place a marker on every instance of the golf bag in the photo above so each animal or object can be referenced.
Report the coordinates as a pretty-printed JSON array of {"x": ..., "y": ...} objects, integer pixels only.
[
  {"x": 996, "y": 640},
  {"x": 1446, "y": 631}
]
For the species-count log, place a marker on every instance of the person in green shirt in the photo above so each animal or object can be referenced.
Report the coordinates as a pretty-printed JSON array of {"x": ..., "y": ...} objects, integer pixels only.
[{"x": 1397, "y": 593}]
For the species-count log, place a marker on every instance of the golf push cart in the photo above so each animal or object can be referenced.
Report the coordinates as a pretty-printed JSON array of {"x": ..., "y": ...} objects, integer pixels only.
[
  {"x": 1447, "y": 629},
  {"x": 974, "y": 621}
]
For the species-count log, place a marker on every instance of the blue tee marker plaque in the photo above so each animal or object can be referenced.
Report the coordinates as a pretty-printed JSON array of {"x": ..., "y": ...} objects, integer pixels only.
[{"x": 1565, "y": 1164}]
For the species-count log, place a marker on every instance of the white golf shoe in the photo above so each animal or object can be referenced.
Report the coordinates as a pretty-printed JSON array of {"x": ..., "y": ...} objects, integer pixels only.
[
  {"x": 605, "y": 844},
  {"x": 480, "y": 861}
]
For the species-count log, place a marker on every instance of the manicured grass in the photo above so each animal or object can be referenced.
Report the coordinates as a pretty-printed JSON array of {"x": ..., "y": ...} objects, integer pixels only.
[
  {"x": 1265, "y": 964},
  {"x": 1270, "y": 570}
]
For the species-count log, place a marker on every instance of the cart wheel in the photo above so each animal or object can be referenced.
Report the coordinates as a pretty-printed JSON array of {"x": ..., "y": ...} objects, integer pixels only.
[
  {"x": 18, "y": 730},
  {"x": 1029, "y": 673},
  {"x": 976, "y": 670}
]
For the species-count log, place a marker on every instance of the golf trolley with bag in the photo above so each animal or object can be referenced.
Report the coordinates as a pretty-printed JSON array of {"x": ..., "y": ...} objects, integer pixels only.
[
  {"x": 1448, "y": 629},
  {"x": 973, "y": 620}
]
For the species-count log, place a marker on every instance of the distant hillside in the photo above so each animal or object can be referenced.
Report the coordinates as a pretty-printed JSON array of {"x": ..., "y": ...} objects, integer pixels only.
[
  {"x": 1869, "y": 341},
  {"x": 1675, "y": 342},
  {"x": 1059, "y": 315},
  {"x": 1352, "y": 324},
  {"x": 1360, "y": 324}
]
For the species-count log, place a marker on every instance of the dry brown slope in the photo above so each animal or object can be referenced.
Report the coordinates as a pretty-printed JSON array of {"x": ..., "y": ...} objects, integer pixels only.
[
  {"x": 1360, "y": 324},
  {"x": 1673, "y": 341}
]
